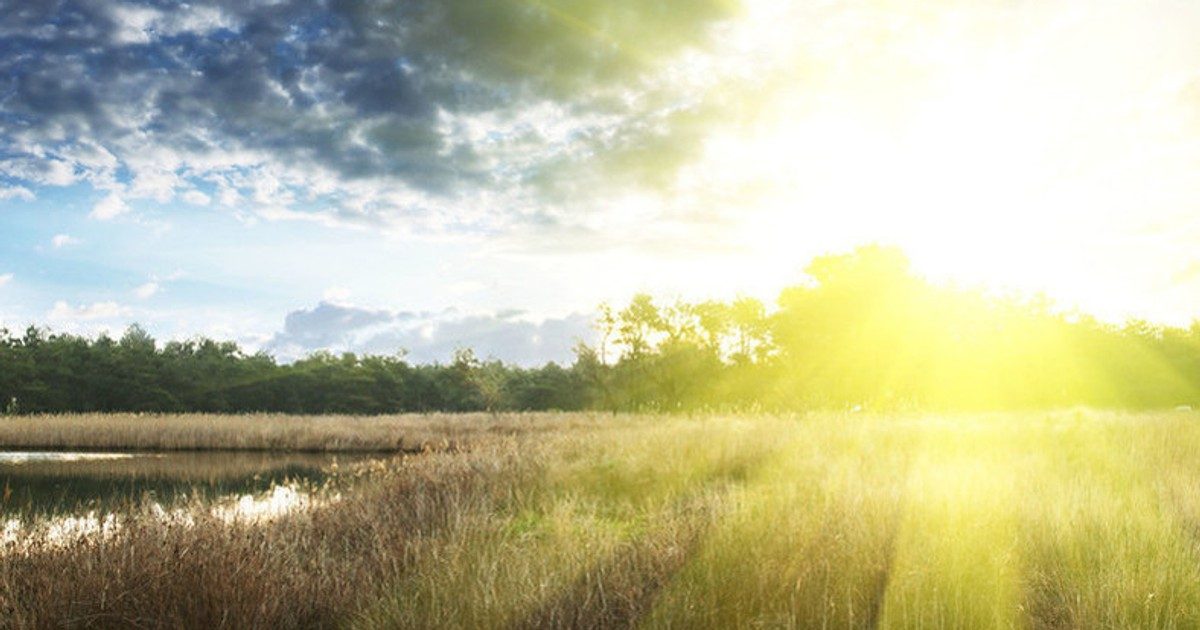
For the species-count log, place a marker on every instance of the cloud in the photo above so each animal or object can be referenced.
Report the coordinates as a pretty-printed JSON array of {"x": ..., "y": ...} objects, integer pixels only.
[
  {"x": 196, "y": 198},
  {"x": 418, "y": 115},
  {"x": 16, "y": 192},
  {"x": 5, "y": 278},
  {"x": 65, "y": 313},
  {"x": 64, "y": 240},
  {"x": 109, "y": 207},
  {"x": 429, "y": 337},
  {"x": 156, "y": 283},
  {"x": 136, "y": 24},
  {"x": 146, "y": 290}
]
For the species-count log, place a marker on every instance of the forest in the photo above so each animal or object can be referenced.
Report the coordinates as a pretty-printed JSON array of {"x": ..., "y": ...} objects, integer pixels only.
[{"x": 864, "y": 332}]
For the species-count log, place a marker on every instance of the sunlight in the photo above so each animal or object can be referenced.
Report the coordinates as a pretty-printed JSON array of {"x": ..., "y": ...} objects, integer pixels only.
[
  {"x": 957, "y": 186},
  {"x": 973, "y": 154}
]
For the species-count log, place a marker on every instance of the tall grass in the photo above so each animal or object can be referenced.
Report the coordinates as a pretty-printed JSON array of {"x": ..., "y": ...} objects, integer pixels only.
[
  {"x": 1064, "y": 520},
  {"x": 591, "y": 541},
  {"x": 271, "y": 432}
]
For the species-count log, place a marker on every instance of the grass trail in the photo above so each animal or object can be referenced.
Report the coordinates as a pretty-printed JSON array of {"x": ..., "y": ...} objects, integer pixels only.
[
  {"x": 957, "y": 557},
  {"x": 808, "y": 544},
  {"x": 591, "y": 542}
]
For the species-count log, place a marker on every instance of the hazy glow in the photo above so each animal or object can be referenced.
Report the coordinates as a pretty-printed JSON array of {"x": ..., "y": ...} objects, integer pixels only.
[{"x": 1041, "y": 148}]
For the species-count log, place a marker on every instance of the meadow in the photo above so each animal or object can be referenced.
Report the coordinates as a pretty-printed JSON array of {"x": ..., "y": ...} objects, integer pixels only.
[
  {"x": 263, "y": 432},
  {"x": 1063, "y": 519}
]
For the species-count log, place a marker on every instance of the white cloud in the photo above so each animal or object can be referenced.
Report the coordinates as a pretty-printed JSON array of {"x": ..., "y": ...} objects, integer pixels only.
[
  {"x": 156, "y": 284},
  {"x": 197, "y": 198},
  {"x": 63, "y": 312},
  {"x": 59, "y": 173},
  {"x": 5, "y": 278},
  {"x": 109, "y": 207},
  {"x": 429, "y": 337},
  {"x": 227, "y": 195},
  {"x": 154, "y": 175},
  {"x": 142, "y": 25},
  {"x": 64, "y": 240},
  {"x": 134, "y": 23},
  {"x": 147, "y": 290},
  {"x": 15, "y": 192}
]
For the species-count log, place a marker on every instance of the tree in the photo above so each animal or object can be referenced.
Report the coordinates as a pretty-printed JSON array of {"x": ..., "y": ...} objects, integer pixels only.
[{"x": 636, "y": 324}]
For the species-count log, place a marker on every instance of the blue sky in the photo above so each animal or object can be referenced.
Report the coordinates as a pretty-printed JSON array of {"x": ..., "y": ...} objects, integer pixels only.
[
  {"x": 182, "y": 270},
  {"x": 428, "y": 175}
]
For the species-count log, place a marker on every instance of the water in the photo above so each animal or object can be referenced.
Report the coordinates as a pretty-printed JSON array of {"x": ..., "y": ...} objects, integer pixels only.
[{"x": 42, "y": 484}]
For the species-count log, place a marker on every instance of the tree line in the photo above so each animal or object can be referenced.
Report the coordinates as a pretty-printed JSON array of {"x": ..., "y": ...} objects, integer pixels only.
[{"x": 864, "y": 332}]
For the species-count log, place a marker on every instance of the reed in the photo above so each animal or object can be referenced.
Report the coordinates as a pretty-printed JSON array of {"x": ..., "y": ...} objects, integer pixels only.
[
  {"x": 272, "y": 432},
  {"x": 1056, "y": 519}
]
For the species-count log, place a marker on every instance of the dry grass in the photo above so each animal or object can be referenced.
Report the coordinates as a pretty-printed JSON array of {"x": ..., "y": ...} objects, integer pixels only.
[
  {"x": 1064, "y": 520},
  {"x": 271, "y": 432},
  {"x": 309, "y": 569}
]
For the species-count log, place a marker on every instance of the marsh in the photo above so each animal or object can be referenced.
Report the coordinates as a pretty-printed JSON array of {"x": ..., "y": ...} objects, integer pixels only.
[{"x": 46, "y": 483}]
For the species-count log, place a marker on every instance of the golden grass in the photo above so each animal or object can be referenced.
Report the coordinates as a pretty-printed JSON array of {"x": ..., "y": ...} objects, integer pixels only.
[
  {"x": 270, "y": 432},
  {"x": 1063, "y": 520}
]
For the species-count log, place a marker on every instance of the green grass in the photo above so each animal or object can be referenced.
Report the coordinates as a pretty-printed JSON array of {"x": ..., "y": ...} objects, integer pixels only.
[{"x": 1058, "y": 519}]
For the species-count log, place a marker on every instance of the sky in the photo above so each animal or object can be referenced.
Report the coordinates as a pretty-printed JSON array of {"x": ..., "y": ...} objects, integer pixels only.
[{"x": 427, "y": 175}]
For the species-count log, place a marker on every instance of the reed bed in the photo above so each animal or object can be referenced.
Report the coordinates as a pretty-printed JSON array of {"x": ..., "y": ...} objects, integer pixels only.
[
  {"x": 271, "y": 432},
  {"x": 1047, "y": 520}
]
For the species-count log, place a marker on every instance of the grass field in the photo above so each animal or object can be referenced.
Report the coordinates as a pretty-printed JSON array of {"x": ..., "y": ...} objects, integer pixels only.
[
  {"x": 267, "y": 432},
  {"x": 1058, "y": 519}
]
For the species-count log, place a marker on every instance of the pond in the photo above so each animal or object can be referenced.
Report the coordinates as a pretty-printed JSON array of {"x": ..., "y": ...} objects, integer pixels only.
[{"x": 41, "y": 484}]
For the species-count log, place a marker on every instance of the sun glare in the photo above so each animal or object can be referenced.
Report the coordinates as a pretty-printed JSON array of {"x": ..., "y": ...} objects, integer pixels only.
[{"x": 1000, "y": 160}]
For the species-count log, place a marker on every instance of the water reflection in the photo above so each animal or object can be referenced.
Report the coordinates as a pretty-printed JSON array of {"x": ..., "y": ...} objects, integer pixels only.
[
  {"x": 34, "y": 484},
  {"x": 24, "y": 457}
]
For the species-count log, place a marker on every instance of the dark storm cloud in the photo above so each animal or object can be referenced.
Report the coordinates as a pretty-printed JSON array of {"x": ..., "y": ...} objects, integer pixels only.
[
  {"x": 429, "y": 337},
  {"x": 343, "y": 105}
]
